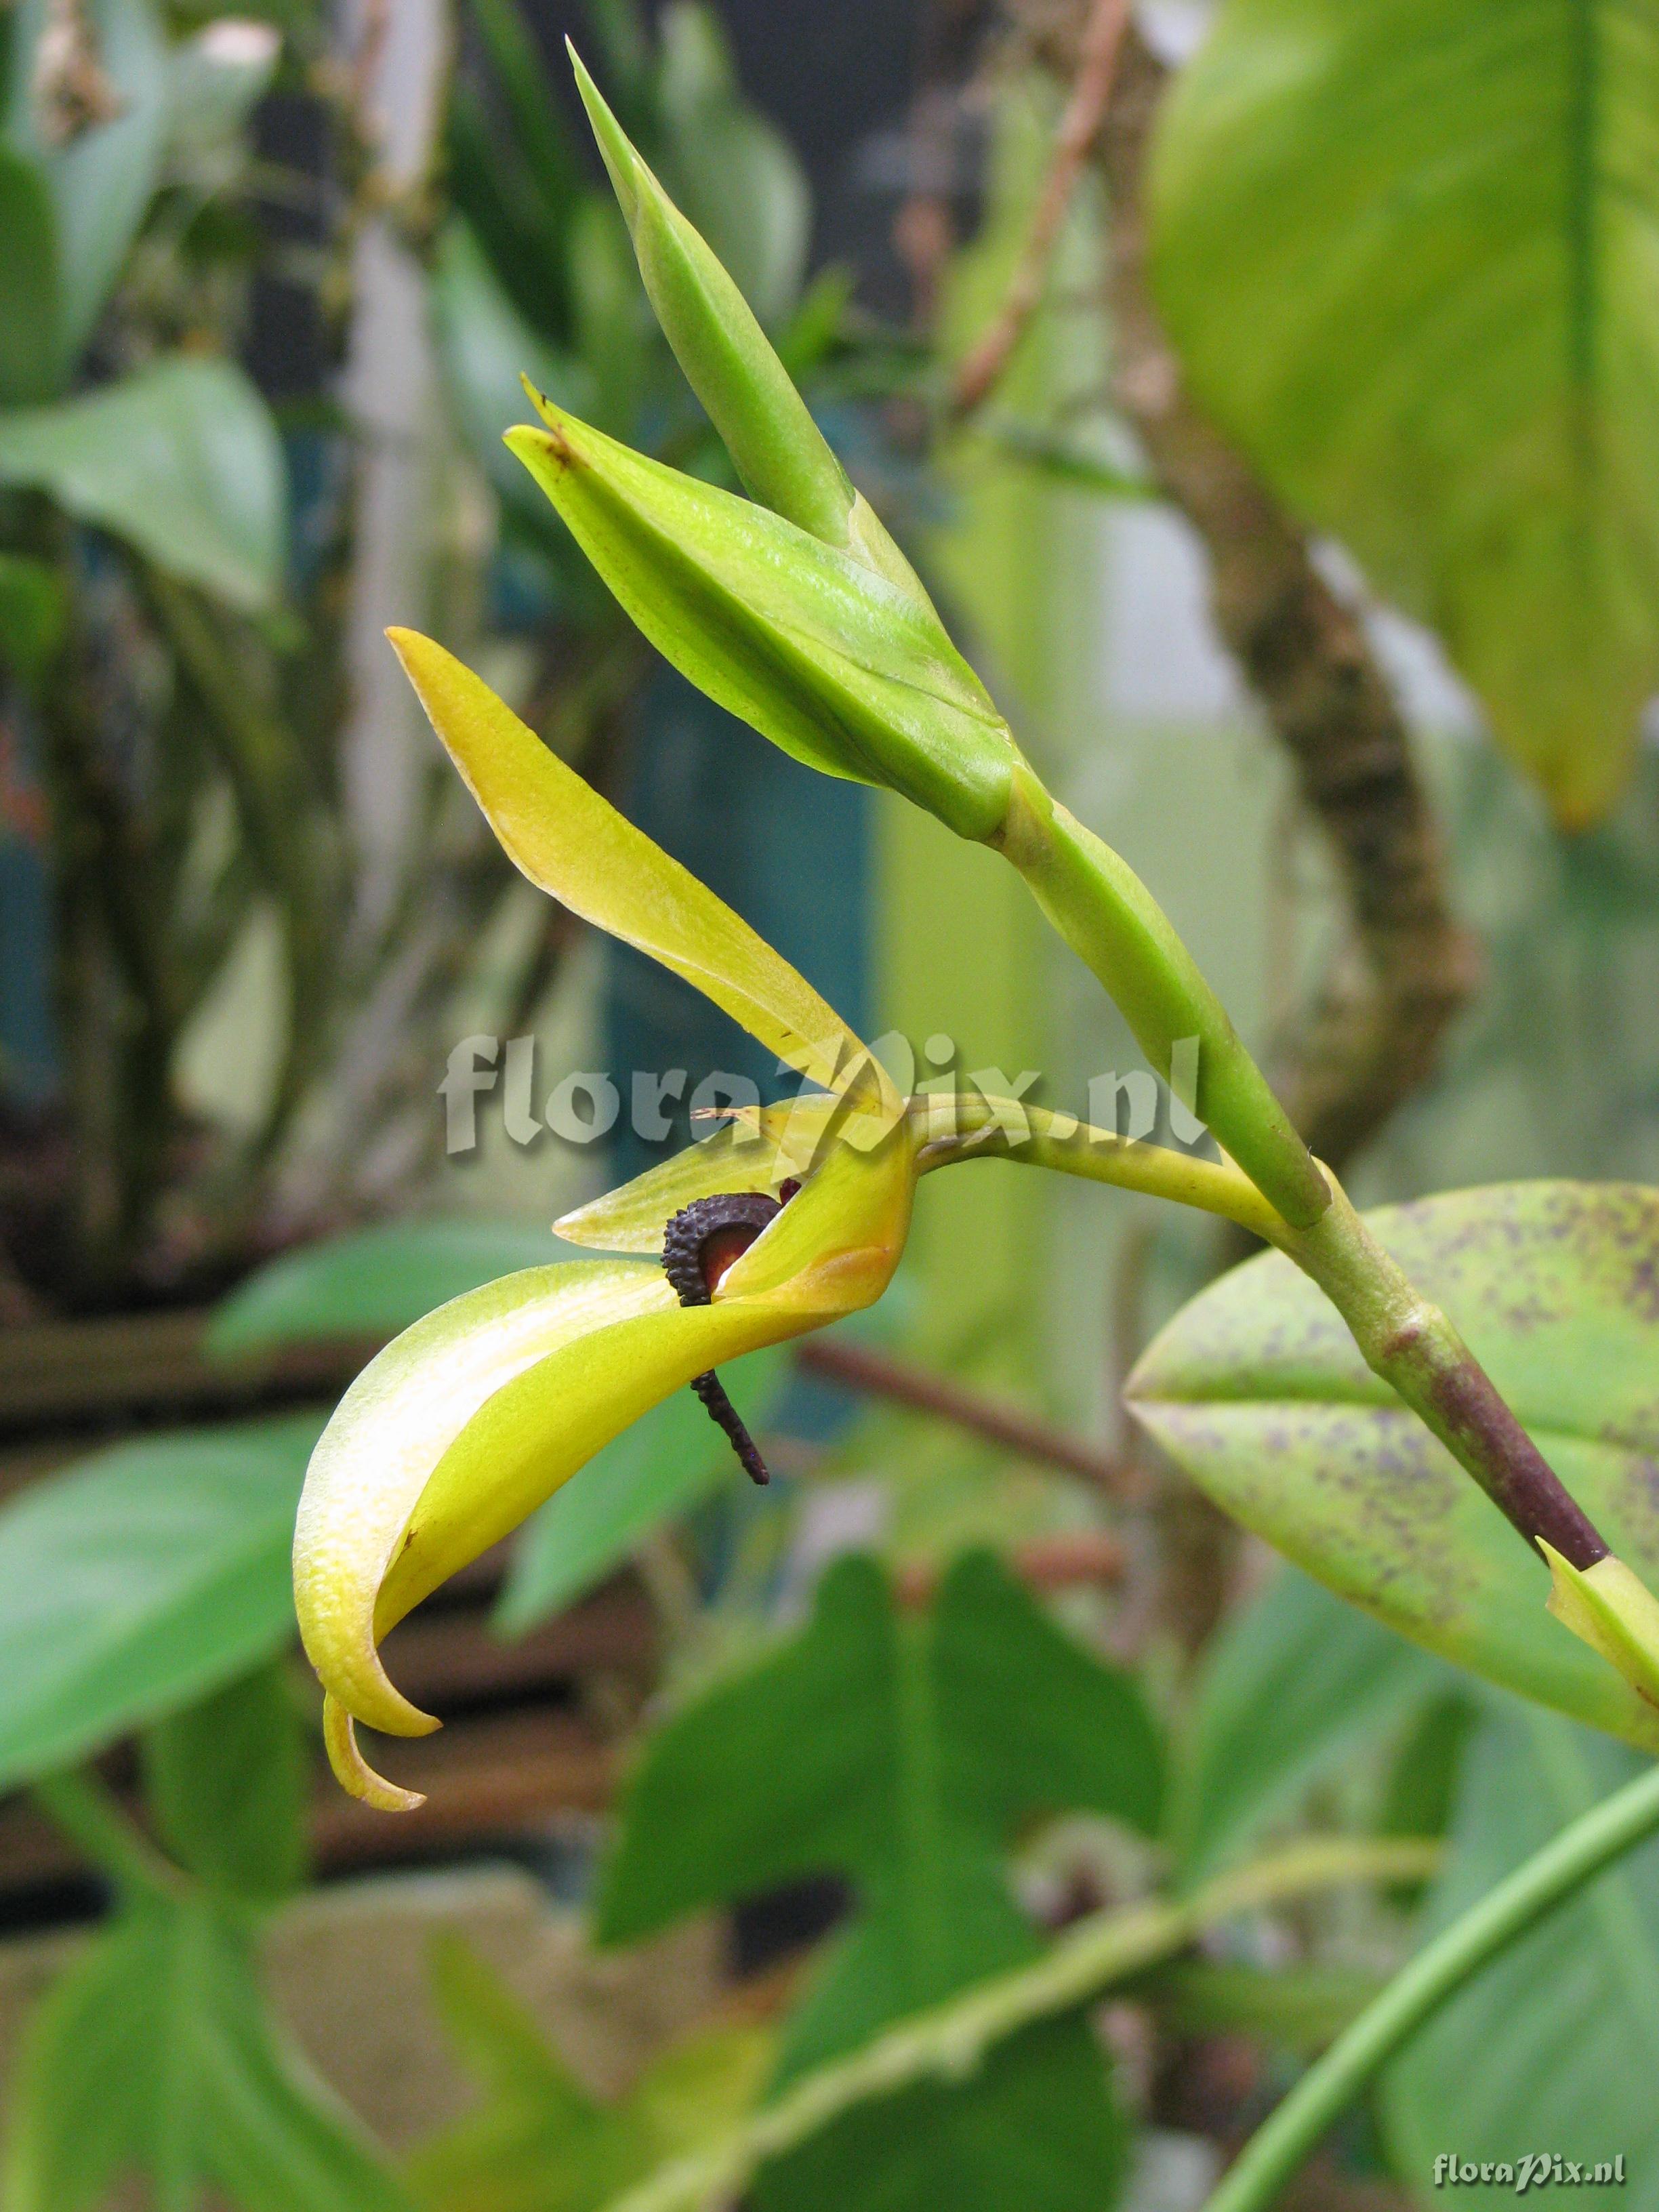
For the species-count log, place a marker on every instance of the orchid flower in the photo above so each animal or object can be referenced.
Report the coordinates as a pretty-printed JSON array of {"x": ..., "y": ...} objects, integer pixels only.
[
  {"x": 784, "y": 1221},
  {"x": 464, "y": 1424}
]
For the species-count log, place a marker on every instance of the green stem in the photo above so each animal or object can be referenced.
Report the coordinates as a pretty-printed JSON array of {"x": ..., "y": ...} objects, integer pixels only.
[
  {"x": 91, "y": 1818},
  {"x": 1107, "y": 916},
  {"x": 1572, "y": 1858},
  {"x": 964, "y": 1125},
  {"x": 950, "y": 2041},
  {"x": 261, "y": 760}
]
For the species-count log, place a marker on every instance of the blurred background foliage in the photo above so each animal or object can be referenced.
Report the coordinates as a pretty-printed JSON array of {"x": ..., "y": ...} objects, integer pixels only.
[{"x": 269, "y": 280}]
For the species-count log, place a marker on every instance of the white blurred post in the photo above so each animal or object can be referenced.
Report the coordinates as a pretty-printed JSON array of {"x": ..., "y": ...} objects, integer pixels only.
[{"x": 390, "y": 398}]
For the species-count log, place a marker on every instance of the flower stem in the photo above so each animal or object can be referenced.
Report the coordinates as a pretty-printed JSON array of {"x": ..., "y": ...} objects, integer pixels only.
[
  {"x": 963, "y": 1125},
  {"x": 1564, "y": 1864},
  {"x": 1107, "y": 916}
]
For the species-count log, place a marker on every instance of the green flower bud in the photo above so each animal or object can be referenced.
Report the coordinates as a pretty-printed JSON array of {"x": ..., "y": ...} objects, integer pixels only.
[
  {"x": 777, "y": 448},
  {"x": 803, "y": 641}
]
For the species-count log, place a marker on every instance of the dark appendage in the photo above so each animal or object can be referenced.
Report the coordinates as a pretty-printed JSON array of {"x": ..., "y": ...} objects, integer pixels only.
[
  {"x": 725, "y": 1414},
  {"x": 698, "y": 1244}
]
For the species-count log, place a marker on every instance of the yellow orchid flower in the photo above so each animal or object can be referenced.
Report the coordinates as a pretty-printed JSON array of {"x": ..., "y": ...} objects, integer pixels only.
[{"x": 462, "y": 1426}]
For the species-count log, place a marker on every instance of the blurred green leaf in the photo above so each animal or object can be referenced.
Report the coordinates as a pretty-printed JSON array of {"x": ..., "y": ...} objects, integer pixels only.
[
  {"x": 216, "y": 77},
  {"x": 227, "y": 1781},
  {"x": 1066, "y": 459},
  {"x": 153, "y": 2055},
  {"x": 615, "y": 333},
  {"x": 149, "y": 1574},
  {"x": 1406, "y": 254},
  {"x": 538, "y": 126},
  {"x": 101, "y": 179},
  {"x": 28, "y": 284},
  {"x": 375, "y": 1282},
  {"x": 539, "y": 2143},
  {"x": 1423, "y": 1782},
  {"x": 1289, "y": 1688},
  {"x": 1256, "y": 1389},
  {"x": 524, "y": 242},
  {"x": 904, "y": 1755},
  {"x": 1037, "y": 2126},
  {"x": 733, "y": 173},
  {"x": 181, "y": 459},
  {"x": 487, "y": 349},
  {"x": 667, "y": 1461},
  {"x": 32, "y": 612},
  {"x": 1554, "y": 2046},
  {"x": 819, "y": 321}
]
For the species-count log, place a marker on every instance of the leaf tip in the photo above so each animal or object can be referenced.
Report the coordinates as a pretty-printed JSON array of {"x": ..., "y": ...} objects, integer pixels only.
[{"x": 620, "y": 161}]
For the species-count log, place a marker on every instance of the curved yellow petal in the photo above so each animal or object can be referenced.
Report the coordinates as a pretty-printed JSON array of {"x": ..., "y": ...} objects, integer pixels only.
[
  {"x": 462, "y": 1425},
  {"x": 567, "y": 839},
  {"x": 394, "y": 1425}
]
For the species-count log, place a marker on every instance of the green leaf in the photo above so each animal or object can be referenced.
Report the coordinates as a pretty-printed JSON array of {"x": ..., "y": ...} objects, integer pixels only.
[
  {"x": 216, "y": 77},
  {"x": 227, "y": 1781},
  {"x": 522, "y": 241},
  {"x": 1258, "y": 1392},
  {"x": 81, "y": 2093},
  {"x": 1423, "y": 1782},
  {"x": 735, "y": 176},
  {"x": 32, "y": 609},
  {"x": 101, "y": 179},
  {"x": 1290, "y": 1686},
  {"x": 181, "y": 459},
  {"x": 1037, "y": 2126},
  {"x": 375, "y": 1282},
  {"x": 904, "y": 1756},
  {"x": 537, "y": 128},
  {"x": 1555, "y": 2046},
  {"x": 619, "y": 344},
  {"x": 28, "y": 284},
  {"x": 1405, "y": 253},
  {"x": 154, "y": 2055},
  {"x": 487, "y": 350},
  {"x": 538, "y": 2142},
  {"x": 144, "y": 1577},
  {"x": 670, "y": 1460}
]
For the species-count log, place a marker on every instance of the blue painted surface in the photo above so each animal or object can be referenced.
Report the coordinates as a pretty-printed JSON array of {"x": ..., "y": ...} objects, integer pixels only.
[
  {"x": 29, "y": 1045},
  {"x": 789, "y": 849}
]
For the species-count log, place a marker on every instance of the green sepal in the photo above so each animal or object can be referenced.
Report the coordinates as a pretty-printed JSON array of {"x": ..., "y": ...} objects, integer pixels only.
[
  {"x": 777, "y": 448},
  {"x": 1613, "y": 1611}
]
